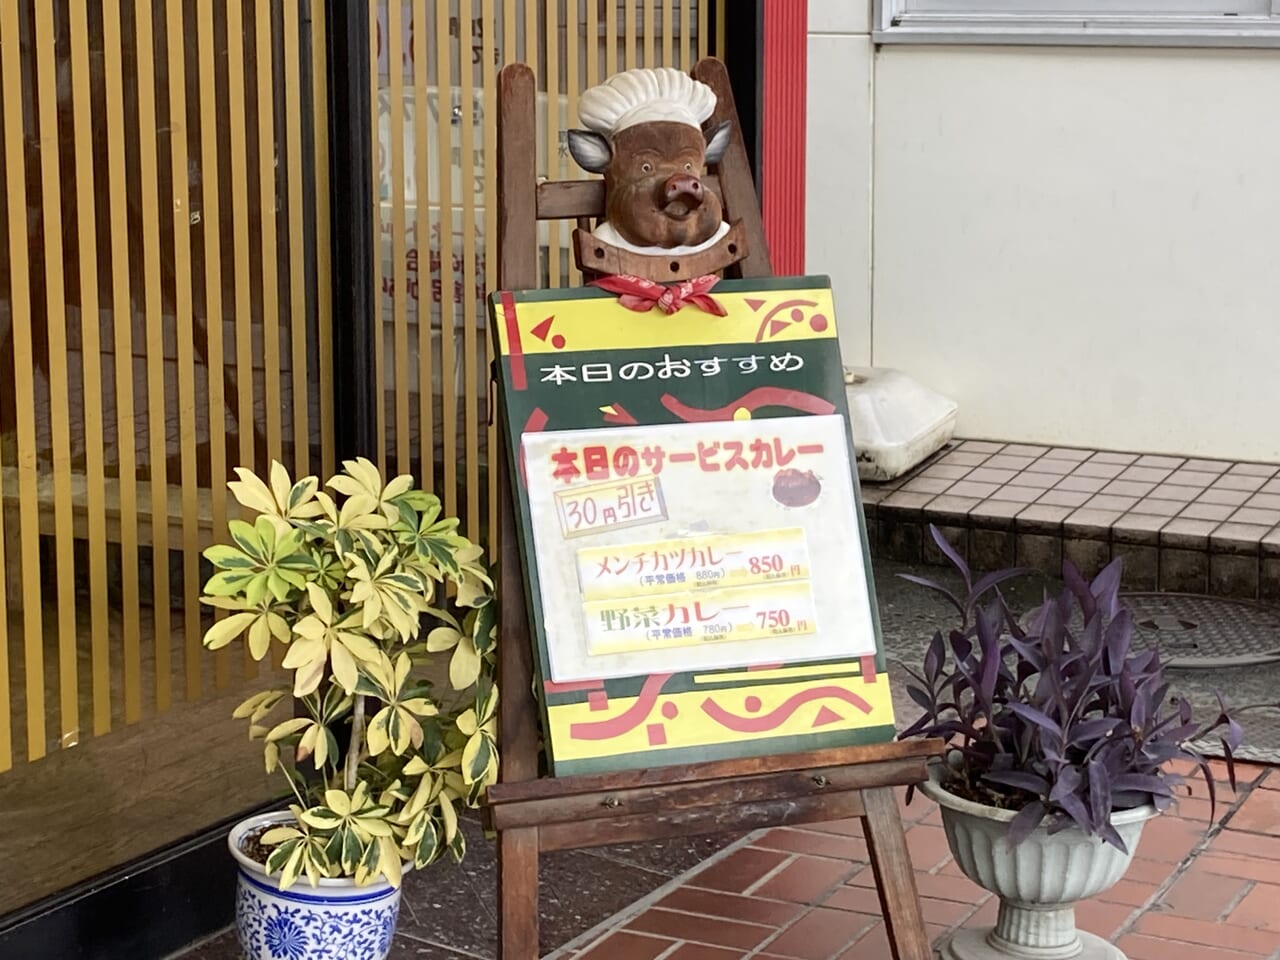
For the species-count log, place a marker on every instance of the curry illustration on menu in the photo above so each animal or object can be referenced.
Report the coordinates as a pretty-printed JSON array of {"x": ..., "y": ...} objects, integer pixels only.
[{"x": 692, "y": 537}]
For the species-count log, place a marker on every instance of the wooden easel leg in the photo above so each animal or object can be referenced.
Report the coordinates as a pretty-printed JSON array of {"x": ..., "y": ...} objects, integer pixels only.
[
  {"x": 895, "y": 879},
  {"x": 518, "y": 894}
]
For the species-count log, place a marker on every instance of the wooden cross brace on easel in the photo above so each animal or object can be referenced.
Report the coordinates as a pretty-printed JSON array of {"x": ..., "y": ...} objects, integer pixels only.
[{"x": 533, "y": 813}]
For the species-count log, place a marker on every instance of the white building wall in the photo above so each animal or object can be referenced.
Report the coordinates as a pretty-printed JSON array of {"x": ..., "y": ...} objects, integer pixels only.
[
  {"x": 1079, "y": 245},
  {"x": 838, "y": 175}
]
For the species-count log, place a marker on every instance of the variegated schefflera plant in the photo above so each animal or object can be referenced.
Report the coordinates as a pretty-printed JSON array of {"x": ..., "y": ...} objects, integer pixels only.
[{"x": 354, "y": 584}]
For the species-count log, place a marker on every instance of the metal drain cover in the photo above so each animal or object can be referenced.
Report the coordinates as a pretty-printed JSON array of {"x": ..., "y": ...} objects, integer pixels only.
[
  {"x": 1261, "y": 738},
  {"x": 1195, "y": 632}
]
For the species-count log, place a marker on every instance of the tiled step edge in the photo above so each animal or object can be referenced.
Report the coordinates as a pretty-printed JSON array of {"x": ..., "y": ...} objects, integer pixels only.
[
  {"x": 1188, "y": 525},
  {"x": 1220, "y": 566}
]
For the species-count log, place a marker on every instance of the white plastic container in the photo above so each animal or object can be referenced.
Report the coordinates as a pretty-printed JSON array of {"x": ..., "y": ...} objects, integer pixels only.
[{"x": 897, "y": 422}]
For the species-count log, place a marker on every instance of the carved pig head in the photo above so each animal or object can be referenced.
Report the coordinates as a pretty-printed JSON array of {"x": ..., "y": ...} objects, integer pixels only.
[{"x": 645, "y": 135}]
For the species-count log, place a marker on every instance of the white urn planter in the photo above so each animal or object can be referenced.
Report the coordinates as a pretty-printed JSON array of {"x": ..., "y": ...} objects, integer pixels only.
[
  {"x": 1038, "y": 882},
  {"x": 335, "y": 920}
]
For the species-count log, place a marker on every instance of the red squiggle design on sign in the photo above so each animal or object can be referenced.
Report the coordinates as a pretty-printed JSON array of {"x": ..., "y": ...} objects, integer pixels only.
[
  {"x": 775, "y": 718},
  {"x": 752, "y": 401},
  {"x": 771, "y": 327},
  {"x": 626, "y": 721},
  {"x": 536, "y": 423},
  {"x": 620, "y": 416}
]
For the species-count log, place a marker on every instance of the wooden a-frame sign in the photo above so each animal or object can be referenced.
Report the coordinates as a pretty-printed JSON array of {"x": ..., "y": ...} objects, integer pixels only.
[{"x": 533, "y": 811}]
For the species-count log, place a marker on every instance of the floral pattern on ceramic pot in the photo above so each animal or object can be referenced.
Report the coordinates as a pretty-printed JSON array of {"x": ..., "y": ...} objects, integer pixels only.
[
  {"x": 301, "y": 927},
  {"x": 644, "y": 133}
]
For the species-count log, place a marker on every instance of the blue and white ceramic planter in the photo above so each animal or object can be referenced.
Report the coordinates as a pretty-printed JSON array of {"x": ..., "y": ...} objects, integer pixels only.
[{"x": 333, "y": 921}]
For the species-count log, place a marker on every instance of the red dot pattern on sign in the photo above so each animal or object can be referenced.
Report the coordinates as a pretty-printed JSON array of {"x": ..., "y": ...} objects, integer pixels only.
[
  {"x": 670, "y": 710},
  {"x": 808, "y": 892},
  {"x": 752, "y": 704},
  {"x": 818, "y": 322},
  {"x": 558, "y": 341}
]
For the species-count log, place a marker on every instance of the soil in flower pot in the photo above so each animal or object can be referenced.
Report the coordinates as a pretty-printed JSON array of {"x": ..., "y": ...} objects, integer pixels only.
[
  {"x": 1007, "y": 799},
  {"x": 252, "y": 847}
]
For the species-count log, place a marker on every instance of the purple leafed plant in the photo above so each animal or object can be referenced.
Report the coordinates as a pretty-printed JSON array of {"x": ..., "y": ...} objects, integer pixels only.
[{"x": 1055, "y": 715}]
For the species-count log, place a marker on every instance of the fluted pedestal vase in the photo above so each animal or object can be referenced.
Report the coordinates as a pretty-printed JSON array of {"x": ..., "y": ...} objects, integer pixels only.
[
  {"x": 1038, "y": 882},
  {"x": 335, "y": 920}
]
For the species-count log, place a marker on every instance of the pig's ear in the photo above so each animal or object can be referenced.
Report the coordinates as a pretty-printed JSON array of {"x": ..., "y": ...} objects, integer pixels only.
[
  {"x": 591, "y": 150},
  {"x": 718, "y": 143}
]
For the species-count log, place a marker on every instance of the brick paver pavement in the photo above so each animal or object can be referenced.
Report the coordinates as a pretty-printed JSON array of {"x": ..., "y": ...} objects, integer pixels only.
[{"x": 1195, "y": 891}]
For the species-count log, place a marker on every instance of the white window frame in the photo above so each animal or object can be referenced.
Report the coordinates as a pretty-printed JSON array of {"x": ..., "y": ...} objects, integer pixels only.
[{"x": 1172, "y": 23}]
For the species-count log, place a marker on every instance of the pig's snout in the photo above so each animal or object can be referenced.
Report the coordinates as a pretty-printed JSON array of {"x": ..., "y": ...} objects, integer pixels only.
[{"x": 685, "y": 189}]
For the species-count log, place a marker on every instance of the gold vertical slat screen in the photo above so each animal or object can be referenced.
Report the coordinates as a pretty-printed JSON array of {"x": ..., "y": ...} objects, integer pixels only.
[
  {"x": 15, "y": 31},
  {"x": 472, "y": 379},
  {"x": 237, "y": 128},
  {"x": 211, "y": 248},
  {"x": 264, "y": 53},
  {"x": 610, "y": 38},
  {"x": 164, "y": 317},
  {"x": 551, "y": 121},
  {"x": 669, "y": 34},
  {"x": 422, "y": 132},
  {"x": 377, "y": 39},
  {"x": 688, "y": 53},
  {"x": 19, "y": 351},
  {"x": 489, "y": 59},
  {"x": 592, "y": 25},
  {"x": 631, "y": 53},
  {"x": 574, "y": 47},
  {"x": 122, "y": 320},
  {"x": 704, "y": 19},
  {"x": 323, "y": 291},
  {"x": 157, "y": 454},
  {"x": 91, "y": 334},
  {"x": 296, "y": 232},
  {"x": 399, "y": 273},
  {"x": 184, "y": 320},
  {"x": 443, "y": 235},
  {"x": 434, "y": 110},
  {"x": 650, "y": 33},
  {"x": 59, "y": 386}
]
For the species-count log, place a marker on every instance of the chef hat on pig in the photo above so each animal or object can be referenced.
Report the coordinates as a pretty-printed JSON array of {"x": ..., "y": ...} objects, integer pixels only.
[{"x": 646, "y": 95}]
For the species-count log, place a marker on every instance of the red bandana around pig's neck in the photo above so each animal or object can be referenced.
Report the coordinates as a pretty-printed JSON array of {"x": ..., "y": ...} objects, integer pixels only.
[{"x": 644, "y": 134}]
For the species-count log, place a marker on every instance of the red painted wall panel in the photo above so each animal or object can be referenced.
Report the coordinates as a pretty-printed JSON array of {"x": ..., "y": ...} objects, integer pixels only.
[{"x": 782, "y": 162}]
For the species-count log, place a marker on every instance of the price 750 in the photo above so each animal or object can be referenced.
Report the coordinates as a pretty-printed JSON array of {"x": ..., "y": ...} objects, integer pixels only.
[{"x": 776, "y": 619}]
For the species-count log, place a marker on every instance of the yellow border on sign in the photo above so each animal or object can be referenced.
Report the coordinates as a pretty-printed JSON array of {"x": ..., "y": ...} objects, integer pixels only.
[
  {"x": 685, "y": 723},
  {"x": 602, "y": 323}
]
